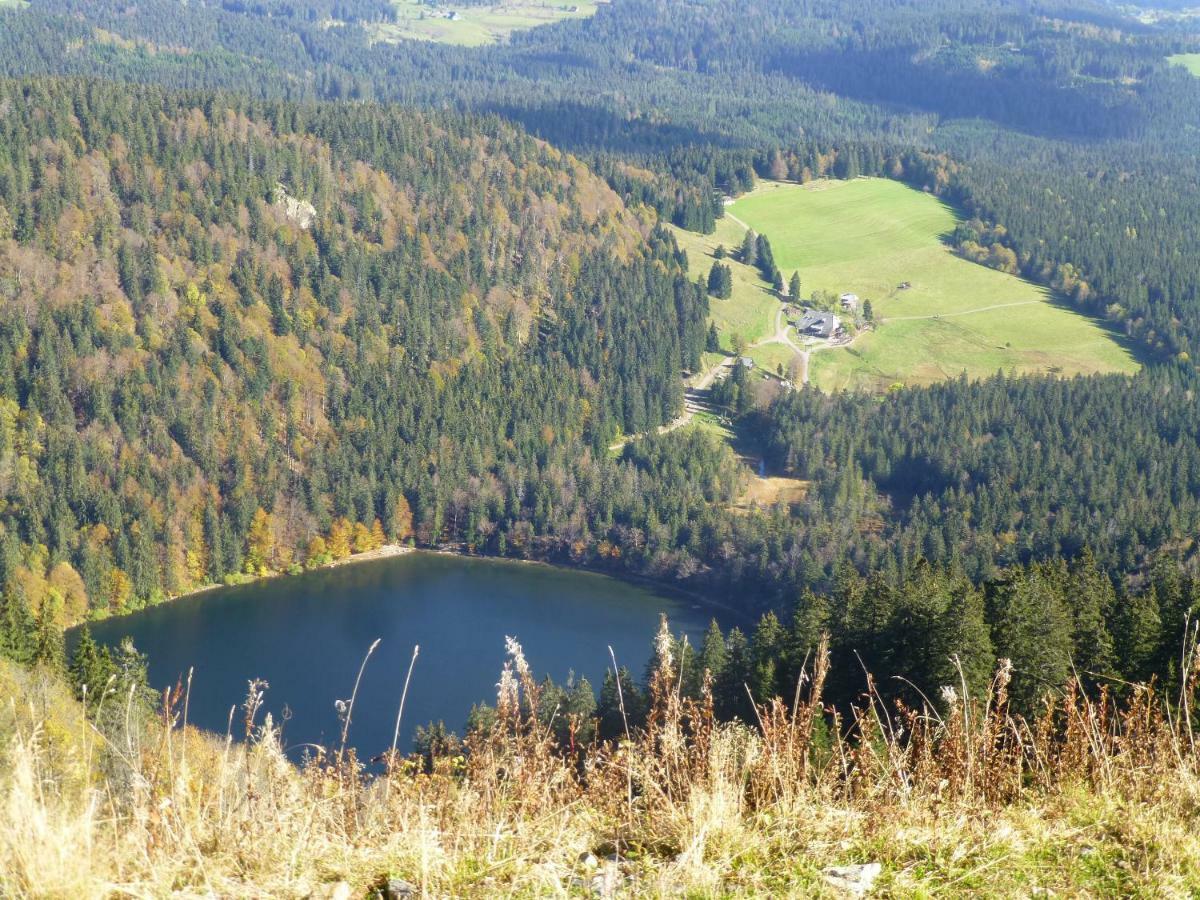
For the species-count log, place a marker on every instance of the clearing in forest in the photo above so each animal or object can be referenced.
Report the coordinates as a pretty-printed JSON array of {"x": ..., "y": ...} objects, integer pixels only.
[
  {"x": 750, "y": 311},
  {"x": 475, "y": 26},
  {"x": 1190, "y": 61},
  {"x": 763, "y": 492},
  {"x": 937, "y": 315}
]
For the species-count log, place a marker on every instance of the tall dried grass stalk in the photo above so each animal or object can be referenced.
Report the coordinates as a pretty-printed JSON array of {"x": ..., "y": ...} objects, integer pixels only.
[{"x": 682, "y": 803}]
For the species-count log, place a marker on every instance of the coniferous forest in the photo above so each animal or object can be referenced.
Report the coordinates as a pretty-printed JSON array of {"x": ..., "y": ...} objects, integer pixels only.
[
  {"x": 277, "y": 288},
  {"x": 250, "y": 333}
]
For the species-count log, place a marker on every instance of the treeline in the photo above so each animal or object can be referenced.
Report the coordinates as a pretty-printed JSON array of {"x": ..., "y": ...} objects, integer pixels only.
[
  {"x": 926, "y": 639},
  {"x": 1084, "y": 175}
]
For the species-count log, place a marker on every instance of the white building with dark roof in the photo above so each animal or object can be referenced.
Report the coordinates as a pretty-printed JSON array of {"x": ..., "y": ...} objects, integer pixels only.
[{"x": 815, "y": 323}]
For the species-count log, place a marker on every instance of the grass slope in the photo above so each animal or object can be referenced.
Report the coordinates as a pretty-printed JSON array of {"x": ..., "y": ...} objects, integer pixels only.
[
  {"x": 750, "y": 312},
  {"x": 870, "y": 235},
  {"x": 980, "y": 805},
  {"x": 476, "y": 26},
  {"x": 1190, "y": 61}
]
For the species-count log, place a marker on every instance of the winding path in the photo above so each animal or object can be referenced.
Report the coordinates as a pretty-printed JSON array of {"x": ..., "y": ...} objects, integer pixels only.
[
  {"x": 781, "y": 336},
  {"x": 691, "y": 403},
  {"x": 732, "y": 218}
]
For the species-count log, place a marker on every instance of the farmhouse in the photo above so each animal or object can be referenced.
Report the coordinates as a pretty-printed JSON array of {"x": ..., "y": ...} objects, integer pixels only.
[
  {"x": 849, "y": 302},
  {"x": 746, "y": 362},
  {"x": 815, "y": 323}
]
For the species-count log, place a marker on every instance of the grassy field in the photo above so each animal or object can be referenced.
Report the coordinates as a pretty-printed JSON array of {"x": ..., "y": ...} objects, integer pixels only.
[
  {"x": 1190, "y": 61},
  {"x": 750, "y": 312},
  {"x": 771, "y": 356},
  {"x": 871, "y": 235},
  {"x": 475, "y": 26}
]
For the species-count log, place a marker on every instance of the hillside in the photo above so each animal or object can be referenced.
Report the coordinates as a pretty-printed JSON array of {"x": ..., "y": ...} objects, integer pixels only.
[
  {"x": 974, "y": 801},
  {"x": 239, "y": 338},
  {"x": 286, "y": 283}
]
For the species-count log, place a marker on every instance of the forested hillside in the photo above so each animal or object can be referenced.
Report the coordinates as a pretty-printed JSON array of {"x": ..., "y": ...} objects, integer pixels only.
[
  {"x": 278, "y": 287},
  {"x": 240, "y": 337},
  {"x": 1082, "y": 165},
  {"x": 470, "y": 318}
]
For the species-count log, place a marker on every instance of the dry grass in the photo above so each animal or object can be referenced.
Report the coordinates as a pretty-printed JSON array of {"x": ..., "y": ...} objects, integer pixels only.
[
  {"x": 762, "y": 493},
  {"x": 1093, "y": 798}
]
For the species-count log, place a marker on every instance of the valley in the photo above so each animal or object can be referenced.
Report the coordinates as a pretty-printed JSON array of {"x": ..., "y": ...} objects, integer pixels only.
[
  {"x": 935, "y": 314},
  {"x": 856, "y": 343}
]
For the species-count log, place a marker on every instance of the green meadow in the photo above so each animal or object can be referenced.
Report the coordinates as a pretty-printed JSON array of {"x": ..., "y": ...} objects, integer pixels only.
[
  {"x": 871, "y": 236},
  {"x": 750, "y": 312},
  {"x": 475, "y": 26},
  {"x": 1190, "y": 61}
]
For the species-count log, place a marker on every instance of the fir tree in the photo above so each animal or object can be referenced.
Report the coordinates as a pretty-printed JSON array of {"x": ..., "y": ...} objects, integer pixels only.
[
  {"x": 17, "y": 627},
  {"x": 748, "y": 253},
  {"x": 794, "y": 286}
]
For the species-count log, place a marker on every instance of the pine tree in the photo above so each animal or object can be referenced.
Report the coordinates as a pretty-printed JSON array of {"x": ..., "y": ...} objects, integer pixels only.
[
  {"x": 1139, "y": 635},
  {"x": 766, "y": 258},
  {"x": 749, "y": 251},
  {"x": 712, "y": 652},
  {"x": 713, "y": 342},
  {"x": 48, "y": 647},
  {"x": 580, "y": 711},
  {"x": 1093, "y": 600},
  {"x": 810, "y": 619},
  {"x": 612, "y": 721},
  {"x": 17, "y": 627},
  {"x": 729, "y": 693},
  {"x": 794, "y": 286},
  {"x": 720, "y": 281},
  {"x": 768, "y": 645},
  {"x": 91, "y": 669},
  {"x": 1031, "y": 626}
]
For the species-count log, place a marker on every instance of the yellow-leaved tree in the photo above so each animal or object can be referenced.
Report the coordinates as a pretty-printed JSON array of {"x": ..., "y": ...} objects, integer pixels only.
[
  {"x": 339, "y": 538},
  {"x": 260, "y": 543},
  {"x": 402, "y": 519}
]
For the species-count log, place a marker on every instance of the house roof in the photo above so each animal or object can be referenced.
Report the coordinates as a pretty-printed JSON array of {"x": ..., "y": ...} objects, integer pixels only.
[{"x": 815, "y": 321}]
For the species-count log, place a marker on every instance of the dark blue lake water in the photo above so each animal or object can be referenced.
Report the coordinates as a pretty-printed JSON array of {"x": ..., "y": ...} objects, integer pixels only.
[{"x": 307, "y": 634}]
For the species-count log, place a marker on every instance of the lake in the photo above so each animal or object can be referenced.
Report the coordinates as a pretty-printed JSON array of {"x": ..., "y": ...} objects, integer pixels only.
[{"x": 307, "y": 634}]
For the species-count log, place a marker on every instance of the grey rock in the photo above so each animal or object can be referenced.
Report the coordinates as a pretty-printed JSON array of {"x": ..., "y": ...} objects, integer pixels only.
[
  {"x": 399, "y": 889},
  {"x": 854, "y": 880}
]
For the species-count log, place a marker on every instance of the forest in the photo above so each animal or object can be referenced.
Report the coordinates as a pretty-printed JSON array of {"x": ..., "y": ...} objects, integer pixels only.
[
  {"x": 241, "y": 338},
  {"x": 251, "y": 327},
  {"x": 278, "y": 288}
]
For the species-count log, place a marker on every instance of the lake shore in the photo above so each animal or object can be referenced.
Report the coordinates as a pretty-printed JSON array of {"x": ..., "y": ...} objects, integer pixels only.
[{"x": 392, "y": 550}]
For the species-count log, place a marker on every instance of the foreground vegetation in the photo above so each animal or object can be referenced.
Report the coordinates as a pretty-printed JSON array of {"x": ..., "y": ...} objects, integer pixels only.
[
  {"x": 870, "y": 237},
  {"x": 1088, "y": 796}
]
